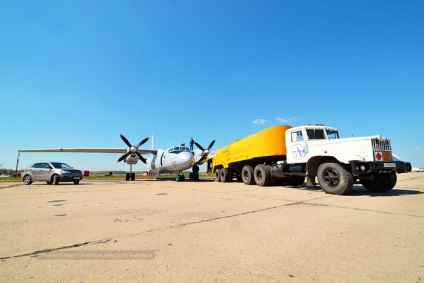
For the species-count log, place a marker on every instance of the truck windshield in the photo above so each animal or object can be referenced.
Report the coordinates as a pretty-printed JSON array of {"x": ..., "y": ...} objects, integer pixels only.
[
  {"x": 315, "y": 134},
  {"x": 332, "y": 134}
]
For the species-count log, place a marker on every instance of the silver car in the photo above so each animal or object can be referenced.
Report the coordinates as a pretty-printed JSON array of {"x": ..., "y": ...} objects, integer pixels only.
[{"x": 51, "y": 173}]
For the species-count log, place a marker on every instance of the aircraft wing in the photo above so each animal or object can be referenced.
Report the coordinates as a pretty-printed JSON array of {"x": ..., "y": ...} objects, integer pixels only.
[
  {"x": 92, "y": 150},
  {"x": 89, "y": 150}
]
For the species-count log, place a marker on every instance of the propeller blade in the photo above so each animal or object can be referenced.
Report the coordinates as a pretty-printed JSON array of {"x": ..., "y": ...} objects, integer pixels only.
[
  {"x": 126, "y": 141},
  {"x": 204, "y": 152},
  {"x": 141, "y": 143},
  {"x": 211, "y": 145},
  {"x": 199, "y": 146},
  {"x": 124, "y": 156},
  {"x": 141, "y": 157}
]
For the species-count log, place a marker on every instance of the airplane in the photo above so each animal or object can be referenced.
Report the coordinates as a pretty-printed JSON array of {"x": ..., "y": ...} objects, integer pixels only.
[{"x": 173, "y": 159}]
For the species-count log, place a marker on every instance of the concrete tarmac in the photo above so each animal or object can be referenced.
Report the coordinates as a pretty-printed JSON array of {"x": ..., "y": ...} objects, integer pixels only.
[{"x": 164, "y": 231}]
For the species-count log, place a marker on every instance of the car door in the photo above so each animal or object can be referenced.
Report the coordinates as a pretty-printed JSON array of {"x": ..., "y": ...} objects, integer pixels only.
[{"x": 36, "y": 171}]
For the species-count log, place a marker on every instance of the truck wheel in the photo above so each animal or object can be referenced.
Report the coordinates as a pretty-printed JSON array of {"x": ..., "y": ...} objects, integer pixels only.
[
  {"x": 55, "y": 179},
  {"x": 224, "y": 175},
  {"x": 334, "y": 179},
  {"x": 27, "y": 180},
  {"x": 247, "y": 175},
  {"x": 295, "y": 181},
  {"x": 218, "y": 175},
  {"x": 262, "y": 175},
  {"x": 381, "y": 183}
]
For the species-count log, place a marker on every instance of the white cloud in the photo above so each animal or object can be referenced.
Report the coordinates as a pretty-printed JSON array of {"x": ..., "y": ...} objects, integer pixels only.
[
  {"x": 283, "y": 120},
  {"x": 259, "y": 122},
  {"x": 419, "y": 148}
]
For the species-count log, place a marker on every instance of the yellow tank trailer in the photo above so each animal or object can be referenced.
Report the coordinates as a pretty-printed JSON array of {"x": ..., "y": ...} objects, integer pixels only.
[
  {"x": 269, "y": 143},
  {"x": 287, "y": 155}
]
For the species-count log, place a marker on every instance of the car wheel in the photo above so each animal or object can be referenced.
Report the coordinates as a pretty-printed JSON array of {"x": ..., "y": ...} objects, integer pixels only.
[
  {"x": 27, "y": 180},
  {"x": 76, "y": 182},
  {"x": 55, "y": 179}
]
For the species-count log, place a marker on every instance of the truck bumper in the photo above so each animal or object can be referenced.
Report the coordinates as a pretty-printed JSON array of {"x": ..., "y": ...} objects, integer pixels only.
[{"x": 363, "y": 168}]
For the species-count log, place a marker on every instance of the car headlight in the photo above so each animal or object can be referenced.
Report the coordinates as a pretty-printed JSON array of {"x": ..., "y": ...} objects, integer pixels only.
[{"x": 66, "y": 172}]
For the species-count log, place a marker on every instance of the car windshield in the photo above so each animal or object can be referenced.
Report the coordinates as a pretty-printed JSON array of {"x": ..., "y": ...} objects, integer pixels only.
[{"x": 61, "y": 165}]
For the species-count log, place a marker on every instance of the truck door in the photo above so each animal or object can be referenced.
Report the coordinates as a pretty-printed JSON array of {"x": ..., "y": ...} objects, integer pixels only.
[{"x": 297, "y": 149}]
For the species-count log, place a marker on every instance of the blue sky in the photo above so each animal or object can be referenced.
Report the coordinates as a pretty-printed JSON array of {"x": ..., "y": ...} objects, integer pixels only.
[{"x": 77, "y": 73}]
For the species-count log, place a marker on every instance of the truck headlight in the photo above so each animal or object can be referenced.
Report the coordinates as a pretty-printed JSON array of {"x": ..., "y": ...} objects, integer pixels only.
[{"x": 362, "y": 167}]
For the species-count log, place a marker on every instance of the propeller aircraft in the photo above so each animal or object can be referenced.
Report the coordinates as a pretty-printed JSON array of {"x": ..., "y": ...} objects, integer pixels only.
[{"x": 173, "y": 159}]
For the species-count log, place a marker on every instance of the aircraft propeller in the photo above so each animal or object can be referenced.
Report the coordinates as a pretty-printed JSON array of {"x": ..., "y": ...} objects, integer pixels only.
[
  {"x": 204, "y": 151},
  {"x": 132, "y": 149}
]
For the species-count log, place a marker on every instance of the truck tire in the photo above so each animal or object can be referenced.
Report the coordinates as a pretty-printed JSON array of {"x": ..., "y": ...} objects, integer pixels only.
[
  {"x": 247, "y": 175},
  {"x": 295, "y": 181},
  {"x": 381, "y": 183},
  {"x": 218, "y": 175},
  {"x": 262, "y": 175},
  {"x": 334, "y": 179},
  {"x": 224, "y": 175}
]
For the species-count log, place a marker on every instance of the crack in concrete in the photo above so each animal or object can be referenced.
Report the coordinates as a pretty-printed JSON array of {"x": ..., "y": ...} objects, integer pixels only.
[{"x": 36, "y": 253}]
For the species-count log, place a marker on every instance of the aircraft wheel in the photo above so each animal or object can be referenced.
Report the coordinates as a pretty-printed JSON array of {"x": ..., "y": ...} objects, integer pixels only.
[
  {"x": 132, "y": 176},
  {"x": 127, "y": 176}
]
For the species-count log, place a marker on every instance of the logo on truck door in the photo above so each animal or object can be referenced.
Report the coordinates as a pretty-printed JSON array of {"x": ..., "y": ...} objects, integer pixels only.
[{"x": 298, "y": 151}]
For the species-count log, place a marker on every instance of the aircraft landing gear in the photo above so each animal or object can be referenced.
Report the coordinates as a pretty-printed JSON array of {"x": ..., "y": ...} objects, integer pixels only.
[
  {"x": 194, "y": 176},
  {"x": 180, "y": 177},
  {"x": 129, "y": 176}
]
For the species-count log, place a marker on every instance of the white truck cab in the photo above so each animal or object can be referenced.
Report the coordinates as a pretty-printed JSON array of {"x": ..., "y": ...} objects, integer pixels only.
[{"x": 339, "y": 162}]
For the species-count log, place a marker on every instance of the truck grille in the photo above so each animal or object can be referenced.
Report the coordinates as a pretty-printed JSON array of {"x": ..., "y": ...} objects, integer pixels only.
[{"x": 381, "y": 145}]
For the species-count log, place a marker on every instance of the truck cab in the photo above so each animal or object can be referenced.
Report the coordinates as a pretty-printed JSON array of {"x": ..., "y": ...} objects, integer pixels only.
[{"x": 298, "y": 139}]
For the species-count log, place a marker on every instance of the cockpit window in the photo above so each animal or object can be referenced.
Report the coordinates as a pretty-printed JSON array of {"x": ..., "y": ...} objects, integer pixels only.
[
  {"x": 315, "y": 134},
  {"x": 178, "y": 149},
  {"x": 332, "y": 134}
]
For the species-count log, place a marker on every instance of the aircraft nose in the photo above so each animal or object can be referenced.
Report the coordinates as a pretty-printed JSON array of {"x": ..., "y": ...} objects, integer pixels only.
[{"x": 187, "y": 159}]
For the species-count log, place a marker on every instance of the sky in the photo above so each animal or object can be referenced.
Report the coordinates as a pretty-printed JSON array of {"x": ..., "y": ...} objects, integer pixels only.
[{"x": 78, "y": 73}]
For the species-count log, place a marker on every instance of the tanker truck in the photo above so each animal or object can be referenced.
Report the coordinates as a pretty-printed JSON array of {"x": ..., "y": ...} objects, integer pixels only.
[{"x": 287, "y": 155}]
